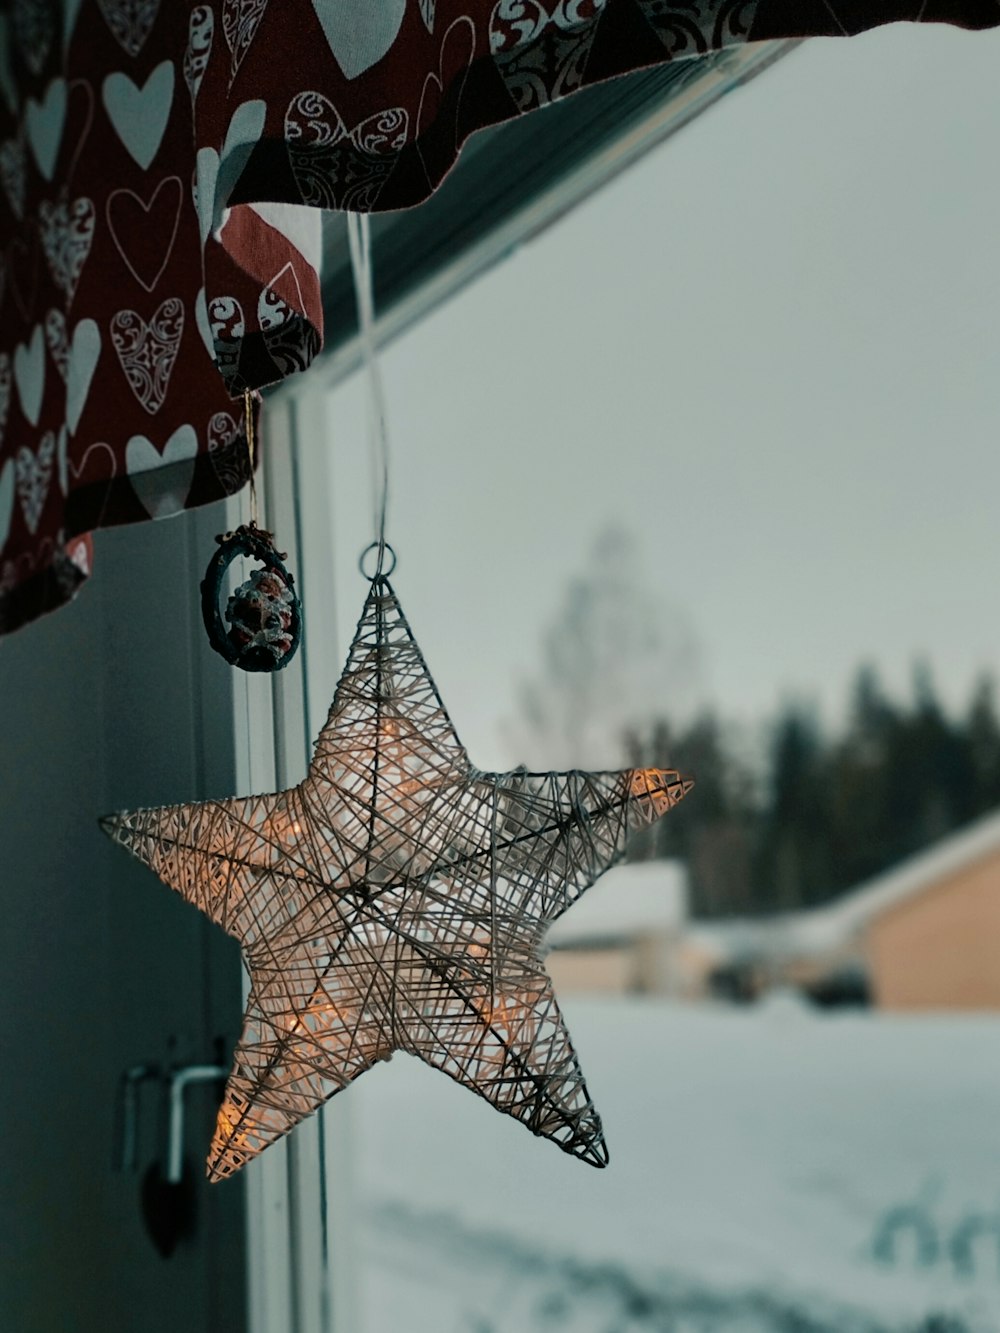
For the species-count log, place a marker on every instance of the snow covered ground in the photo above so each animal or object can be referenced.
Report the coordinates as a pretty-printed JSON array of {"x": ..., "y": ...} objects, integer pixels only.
[{"x": 773, "y": 1169}]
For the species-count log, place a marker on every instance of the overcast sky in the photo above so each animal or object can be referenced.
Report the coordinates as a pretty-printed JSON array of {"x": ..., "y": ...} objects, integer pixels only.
[{"x": 771, "y": 350}]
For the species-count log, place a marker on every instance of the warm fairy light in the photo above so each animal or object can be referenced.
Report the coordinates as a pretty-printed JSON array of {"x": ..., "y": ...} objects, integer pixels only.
[
  {"x": 315, "y": 1017},
  {"x": 506, "y": 1012},
  {"x": 660, "y": 786},
  {"x": 512, "y": 1021},
  {"x": 282, "y": 825},
  {"x": 228, "y": 1128}
]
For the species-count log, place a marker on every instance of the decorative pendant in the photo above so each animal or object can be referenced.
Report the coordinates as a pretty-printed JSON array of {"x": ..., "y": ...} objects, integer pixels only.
[
  {"x": 264, "y": 613},
  {"x": 398, "y": 899}
]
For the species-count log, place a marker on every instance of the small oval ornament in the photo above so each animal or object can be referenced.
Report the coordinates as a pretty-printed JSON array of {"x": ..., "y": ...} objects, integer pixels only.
[{"x": 264, "y": 613}]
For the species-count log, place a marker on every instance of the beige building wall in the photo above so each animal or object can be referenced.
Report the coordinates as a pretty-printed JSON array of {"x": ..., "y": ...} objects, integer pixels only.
[
  {"x": 940, "y": 949},
  {"x": 646, "y": 965},
  {"x": 590, "y": 971}
]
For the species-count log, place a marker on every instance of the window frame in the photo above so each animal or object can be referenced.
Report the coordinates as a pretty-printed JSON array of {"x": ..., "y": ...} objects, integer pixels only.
[{"x": 300, "y": 1228}]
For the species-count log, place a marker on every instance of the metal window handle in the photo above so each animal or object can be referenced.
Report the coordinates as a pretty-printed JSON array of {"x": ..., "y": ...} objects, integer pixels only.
[
  {"x": 167, "y": 1200},
  {"x": 179, "y": 1080},
  {"x": 176, "y": 1082}
]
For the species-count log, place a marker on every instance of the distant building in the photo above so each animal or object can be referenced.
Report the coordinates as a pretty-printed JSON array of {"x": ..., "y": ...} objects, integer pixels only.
[
  {"x": 626, "y": 935},
  {"x": 924, "y": 935}
]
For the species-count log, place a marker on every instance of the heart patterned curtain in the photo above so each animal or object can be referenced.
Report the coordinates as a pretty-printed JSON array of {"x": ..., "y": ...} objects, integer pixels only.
[{"x": 162, "y": 165}]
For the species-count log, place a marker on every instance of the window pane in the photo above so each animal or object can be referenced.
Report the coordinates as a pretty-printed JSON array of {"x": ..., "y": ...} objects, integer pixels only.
[{"x": 767, "y": 357}]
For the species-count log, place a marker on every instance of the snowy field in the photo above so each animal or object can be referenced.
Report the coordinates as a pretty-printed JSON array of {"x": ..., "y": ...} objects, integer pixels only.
[{"x": 773, "y": 1169}]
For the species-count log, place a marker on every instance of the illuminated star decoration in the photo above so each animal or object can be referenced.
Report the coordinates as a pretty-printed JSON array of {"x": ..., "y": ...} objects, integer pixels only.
[{"x": 398, "y": 899}]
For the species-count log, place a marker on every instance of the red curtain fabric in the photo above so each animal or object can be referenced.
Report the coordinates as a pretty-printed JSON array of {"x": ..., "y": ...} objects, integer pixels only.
[{"x": 155, "y": 255}]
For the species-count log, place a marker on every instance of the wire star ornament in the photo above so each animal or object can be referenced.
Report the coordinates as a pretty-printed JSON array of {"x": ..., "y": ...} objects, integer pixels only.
[{"x": 398, "y": 899}]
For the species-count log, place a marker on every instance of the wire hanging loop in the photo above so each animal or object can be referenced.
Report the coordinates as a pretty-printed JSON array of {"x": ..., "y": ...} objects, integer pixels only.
[{"x": 382, "y": 549}]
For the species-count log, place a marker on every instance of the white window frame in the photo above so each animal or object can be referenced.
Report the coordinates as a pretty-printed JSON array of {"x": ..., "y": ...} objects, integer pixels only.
[{"x": 297, "y": 1193}]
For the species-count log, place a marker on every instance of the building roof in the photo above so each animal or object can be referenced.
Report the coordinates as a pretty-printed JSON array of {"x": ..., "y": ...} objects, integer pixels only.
[
  {"x": 822, "y": 930},
  {"x": 633, "y": 899}
]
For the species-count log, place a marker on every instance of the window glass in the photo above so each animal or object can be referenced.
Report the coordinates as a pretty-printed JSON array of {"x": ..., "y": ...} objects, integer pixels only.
[{"x": 733, "y": 423}]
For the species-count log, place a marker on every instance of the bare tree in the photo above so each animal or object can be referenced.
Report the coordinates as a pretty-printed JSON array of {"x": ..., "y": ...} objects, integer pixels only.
[{"x": 616, "y": 656}]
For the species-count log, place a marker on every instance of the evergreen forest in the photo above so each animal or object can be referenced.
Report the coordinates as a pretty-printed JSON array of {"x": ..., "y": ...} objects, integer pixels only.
[{"x": 815, "y": 814}]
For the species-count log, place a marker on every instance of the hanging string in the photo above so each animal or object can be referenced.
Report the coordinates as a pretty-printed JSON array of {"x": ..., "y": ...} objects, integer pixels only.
[
  {"x": 359, "y": 239},
  {"x": 248, "y": 406}
]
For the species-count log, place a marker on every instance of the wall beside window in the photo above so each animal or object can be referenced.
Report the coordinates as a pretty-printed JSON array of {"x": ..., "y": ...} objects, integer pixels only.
[{"x": 110, "y": 704}]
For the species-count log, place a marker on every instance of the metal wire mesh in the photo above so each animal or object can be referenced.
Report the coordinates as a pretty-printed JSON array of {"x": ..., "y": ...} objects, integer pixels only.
[{"x": 398, "y": 899}]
